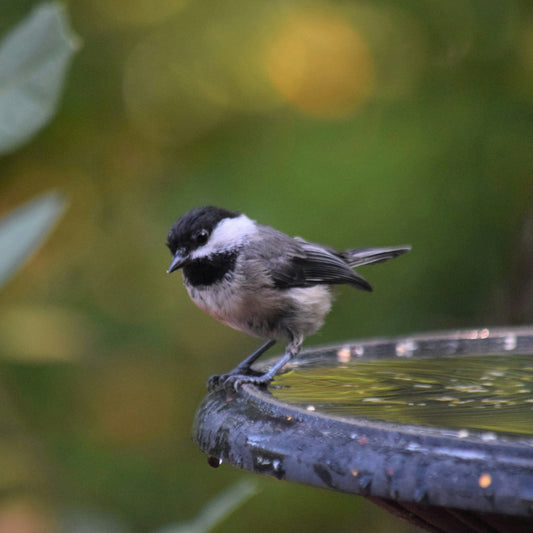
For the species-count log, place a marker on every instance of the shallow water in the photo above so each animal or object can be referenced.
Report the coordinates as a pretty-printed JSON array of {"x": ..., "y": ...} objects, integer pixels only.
[{"x": 491, "y": 393}]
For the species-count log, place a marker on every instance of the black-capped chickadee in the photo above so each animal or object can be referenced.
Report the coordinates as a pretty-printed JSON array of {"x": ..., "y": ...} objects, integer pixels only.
[{"x": 261, "y": 281}]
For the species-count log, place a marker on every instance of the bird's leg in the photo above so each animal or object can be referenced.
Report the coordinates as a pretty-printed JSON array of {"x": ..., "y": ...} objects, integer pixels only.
[
  {"x": 236, "y": 380},
  {"x": 242, "y": 368},
  {"x": 245, "y": 365}
]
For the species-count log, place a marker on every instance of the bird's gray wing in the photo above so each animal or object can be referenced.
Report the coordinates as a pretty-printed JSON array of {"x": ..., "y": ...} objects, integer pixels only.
[
  {"x": 323, "y": 265},
  {"x": 294, "y": 263}
]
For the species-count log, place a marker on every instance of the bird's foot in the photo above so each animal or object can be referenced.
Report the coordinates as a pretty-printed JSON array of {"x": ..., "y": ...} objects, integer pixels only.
[
  {"x": 233, "y": 380},
  {"x": 243, "y": 370},
  {"x": 237, "y": 380}
]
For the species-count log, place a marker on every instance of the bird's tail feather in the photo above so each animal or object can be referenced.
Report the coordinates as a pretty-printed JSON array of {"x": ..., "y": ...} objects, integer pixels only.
[{"x": 365, "y": 256}]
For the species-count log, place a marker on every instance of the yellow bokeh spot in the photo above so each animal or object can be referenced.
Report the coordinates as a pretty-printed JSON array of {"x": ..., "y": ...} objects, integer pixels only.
[
  {"x": 34, "y": 333},
  {"x": 320, "y": 64}
]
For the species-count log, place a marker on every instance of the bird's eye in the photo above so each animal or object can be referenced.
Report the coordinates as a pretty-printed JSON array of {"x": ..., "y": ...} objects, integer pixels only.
[{"x": 201, "y": 237}]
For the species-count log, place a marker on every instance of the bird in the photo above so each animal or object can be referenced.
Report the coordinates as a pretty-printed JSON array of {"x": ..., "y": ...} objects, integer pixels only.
[{"x": 261, "y": 281}]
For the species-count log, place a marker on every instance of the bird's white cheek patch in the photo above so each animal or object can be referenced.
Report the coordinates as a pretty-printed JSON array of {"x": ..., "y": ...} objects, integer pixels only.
[{"x": 229, "y": 234}]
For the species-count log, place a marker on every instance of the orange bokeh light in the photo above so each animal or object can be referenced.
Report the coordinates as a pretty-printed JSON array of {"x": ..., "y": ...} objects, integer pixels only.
[{"x": 320, "y": 64}]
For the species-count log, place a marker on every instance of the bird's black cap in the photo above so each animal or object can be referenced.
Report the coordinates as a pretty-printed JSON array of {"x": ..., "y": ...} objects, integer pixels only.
[{"x": 183, "y": 231}]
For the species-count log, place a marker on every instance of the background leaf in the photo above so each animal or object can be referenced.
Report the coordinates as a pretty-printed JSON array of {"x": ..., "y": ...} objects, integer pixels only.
[
  {"x": 217, "y": 509},
  {"x": 34, "y": 57},
  {"x": 23, "y": 230}
]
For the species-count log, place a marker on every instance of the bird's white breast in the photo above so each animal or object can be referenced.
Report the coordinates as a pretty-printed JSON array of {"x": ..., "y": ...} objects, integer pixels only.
[
  {"x": 268, "y": 312},
  {"x": 219, "y": 302}
]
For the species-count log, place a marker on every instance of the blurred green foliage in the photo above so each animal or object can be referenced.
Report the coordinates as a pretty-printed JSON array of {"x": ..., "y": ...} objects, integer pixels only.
[{"x": 350, "y": 123}]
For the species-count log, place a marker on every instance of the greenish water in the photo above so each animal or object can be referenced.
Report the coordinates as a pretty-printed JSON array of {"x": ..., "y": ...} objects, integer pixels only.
[{"x": 489, "y": 393}]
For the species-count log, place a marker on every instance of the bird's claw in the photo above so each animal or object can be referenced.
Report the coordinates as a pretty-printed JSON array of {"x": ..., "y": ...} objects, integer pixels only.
[
  {"x": 214, "y": 381},
  {"x": 234, "y": 381}
]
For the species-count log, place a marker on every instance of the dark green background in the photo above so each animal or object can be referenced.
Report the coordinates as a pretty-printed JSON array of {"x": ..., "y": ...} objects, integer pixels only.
[{"x": 104, "y": 358}]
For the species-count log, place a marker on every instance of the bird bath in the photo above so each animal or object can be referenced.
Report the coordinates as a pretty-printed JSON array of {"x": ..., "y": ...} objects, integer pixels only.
[{"x": 436, "y": 428}]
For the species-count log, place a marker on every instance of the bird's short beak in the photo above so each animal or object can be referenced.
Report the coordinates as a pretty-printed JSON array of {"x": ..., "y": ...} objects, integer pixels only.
[{"x": 180, "y": 258}]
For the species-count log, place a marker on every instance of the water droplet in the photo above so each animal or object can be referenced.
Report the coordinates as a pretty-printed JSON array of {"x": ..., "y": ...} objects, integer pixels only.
[
  {"x": 484, "y": 333},
  {"x": 489, "y": 436},
  {"x": 213, "y": 461},
  {"x": 406, "y": 348},
  {"x": 509, "y": 343},
  {"x": 344, "y": 355}
]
